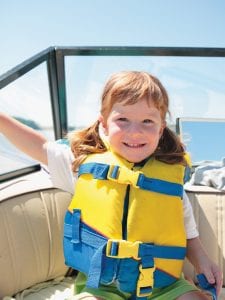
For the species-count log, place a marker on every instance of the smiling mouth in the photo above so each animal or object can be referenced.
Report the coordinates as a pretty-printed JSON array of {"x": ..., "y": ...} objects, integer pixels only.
[{"x": 134, "y": 145}]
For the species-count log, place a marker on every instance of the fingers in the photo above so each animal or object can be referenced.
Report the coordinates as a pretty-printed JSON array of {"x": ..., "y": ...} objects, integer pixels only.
[
  {"x": 216, "y": 278},
  {"x": 210, "y": 277}
]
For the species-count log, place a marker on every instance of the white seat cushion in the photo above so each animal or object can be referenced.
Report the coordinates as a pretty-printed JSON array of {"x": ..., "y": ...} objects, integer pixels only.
[
  {"x": 57, "y": 289},
  {"x": 31, "y": 234}
]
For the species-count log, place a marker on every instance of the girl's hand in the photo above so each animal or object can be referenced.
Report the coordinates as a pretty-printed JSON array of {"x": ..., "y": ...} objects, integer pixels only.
[
  {"x": 203, "y": 264},
  {"x": 212, "y": 273}
]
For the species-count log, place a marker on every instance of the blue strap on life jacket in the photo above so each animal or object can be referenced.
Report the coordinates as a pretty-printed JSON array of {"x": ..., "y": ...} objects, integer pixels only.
[
  {"x": 168, "y": 252},
  {"x": 205, "y": 285},
  {"x": 107, "y": 172},
  {"x": 160, "y": 186},
  {"x": 98, "y": 170}
]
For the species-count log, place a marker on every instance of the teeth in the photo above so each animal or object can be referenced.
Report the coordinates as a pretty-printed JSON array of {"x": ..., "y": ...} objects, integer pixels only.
[{"x": 134, "y": 145}]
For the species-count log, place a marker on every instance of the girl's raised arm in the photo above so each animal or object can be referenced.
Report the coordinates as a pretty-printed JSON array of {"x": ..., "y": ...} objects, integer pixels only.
[{"x": 24, "y": 138}]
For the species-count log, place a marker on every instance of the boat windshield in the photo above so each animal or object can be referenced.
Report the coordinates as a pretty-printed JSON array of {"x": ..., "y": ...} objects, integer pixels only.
[{"x": 59, "y": 90}]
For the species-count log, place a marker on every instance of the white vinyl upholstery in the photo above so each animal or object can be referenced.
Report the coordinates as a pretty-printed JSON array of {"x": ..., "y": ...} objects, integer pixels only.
[{"x": 31, "y": 233}]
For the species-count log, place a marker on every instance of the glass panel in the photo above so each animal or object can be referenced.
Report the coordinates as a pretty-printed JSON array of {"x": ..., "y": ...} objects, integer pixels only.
[
  {"x": 196, "y": 86},
  {"x": 204, "y": 138},
  {"x": 28, "y": 100}
]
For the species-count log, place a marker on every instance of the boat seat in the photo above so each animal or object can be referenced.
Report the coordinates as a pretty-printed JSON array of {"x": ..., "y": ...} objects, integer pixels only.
[{"x": 31, "y": 231}]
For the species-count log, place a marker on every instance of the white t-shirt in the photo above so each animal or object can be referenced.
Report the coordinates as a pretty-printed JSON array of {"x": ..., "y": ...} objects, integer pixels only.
[{"x": 60, "y": 158}]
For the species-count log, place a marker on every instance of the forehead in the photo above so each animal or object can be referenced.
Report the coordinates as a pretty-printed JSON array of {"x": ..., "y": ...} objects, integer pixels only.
[{"x": 142, "y": 105}]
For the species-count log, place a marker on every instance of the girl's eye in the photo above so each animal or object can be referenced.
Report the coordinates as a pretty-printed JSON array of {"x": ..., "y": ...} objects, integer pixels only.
[
  {"x": 147, "y": 121},
  {"x": 122, "y": 119}
]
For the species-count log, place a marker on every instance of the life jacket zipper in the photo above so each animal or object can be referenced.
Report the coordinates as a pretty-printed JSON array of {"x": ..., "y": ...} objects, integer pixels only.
[{"x": 125, "y": 213}]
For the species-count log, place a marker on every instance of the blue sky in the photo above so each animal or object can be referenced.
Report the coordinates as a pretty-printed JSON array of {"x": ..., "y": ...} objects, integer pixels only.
[{"x": 29, "y": 26}]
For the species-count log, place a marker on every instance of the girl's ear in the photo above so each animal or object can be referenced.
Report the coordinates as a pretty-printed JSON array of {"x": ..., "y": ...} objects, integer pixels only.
[{"x": 103, "y": 125}]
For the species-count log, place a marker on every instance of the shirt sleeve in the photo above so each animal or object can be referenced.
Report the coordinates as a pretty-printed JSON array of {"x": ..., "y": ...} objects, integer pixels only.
[
  {"x": 60, "y": 158},
  {"x": 189, "y": 221}
]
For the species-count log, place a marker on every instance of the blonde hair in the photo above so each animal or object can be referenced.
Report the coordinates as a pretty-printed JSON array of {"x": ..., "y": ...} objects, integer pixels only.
[{"x": 129, "y": 87}]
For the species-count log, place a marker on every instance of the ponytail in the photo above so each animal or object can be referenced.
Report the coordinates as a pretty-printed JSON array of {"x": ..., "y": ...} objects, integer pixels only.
[
  {"x": 84, "y": 142},
  {"x": 170, "y": 149}
]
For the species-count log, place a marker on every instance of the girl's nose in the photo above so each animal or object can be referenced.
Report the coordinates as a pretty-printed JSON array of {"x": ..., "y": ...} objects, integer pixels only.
[{"x": 134, "y": 129}]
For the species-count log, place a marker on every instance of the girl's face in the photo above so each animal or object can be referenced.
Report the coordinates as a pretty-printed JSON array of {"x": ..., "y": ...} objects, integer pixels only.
[{"x": 134, "y": 130}]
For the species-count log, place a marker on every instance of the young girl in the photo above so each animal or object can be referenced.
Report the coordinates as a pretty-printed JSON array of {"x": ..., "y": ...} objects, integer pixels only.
[{"x": 129, "y": 224}]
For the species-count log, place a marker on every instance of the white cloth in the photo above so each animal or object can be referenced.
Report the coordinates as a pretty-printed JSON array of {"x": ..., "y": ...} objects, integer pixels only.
[
  {"x": 60, "y": 160},
  {"x": 210, "y": 173}
]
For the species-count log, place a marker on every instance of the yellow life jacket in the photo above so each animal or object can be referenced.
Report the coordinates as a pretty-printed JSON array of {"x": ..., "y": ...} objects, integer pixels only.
[{"x": 125, "y": 223}]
